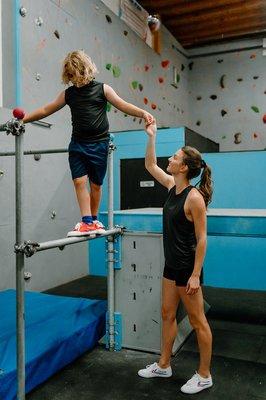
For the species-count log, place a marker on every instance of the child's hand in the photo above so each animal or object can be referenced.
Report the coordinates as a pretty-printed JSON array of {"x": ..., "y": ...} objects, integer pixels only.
[
  {"x": 149, "y": 119},
  {"x": 151, "y": 129}
]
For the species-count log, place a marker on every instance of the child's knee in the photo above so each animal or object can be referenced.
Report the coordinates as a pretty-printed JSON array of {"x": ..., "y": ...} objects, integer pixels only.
[{"x": 81, "y": 182}]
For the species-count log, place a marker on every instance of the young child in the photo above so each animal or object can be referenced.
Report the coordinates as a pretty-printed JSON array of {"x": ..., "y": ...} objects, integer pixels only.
[{"x": 88, "y": 149}]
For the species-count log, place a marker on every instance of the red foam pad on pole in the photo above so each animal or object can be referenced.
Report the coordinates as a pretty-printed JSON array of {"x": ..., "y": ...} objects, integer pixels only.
[{"x": 19, "y": 113}]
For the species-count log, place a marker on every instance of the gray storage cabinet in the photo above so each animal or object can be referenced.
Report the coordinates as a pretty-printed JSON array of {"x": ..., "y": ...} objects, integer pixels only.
[{"x": 138, "y": 293}]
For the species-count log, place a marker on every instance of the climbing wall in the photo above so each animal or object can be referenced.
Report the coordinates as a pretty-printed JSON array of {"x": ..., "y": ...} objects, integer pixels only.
[
  {"x": 227, "y": 95},
  {"x": 50, "y": 29}
]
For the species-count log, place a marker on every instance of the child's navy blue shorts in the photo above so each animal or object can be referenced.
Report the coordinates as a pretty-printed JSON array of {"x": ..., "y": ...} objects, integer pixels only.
[{"x": 88, "y": 159}]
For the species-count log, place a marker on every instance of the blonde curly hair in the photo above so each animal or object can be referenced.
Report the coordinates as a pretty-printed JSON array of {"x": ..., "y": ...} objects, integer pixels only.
[{"x": 78, "y": 68}]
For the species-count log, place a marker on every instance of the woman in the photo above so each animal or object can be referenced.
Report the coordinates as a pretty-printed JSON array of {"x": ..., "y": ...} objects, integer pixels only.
[{"x": 184, "y": 235}]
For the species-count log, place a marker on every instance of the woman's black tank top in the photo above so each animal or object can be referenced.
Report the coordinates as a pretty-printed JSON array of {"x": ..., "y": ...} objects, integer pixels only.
[{"x": 178, "y": 232}]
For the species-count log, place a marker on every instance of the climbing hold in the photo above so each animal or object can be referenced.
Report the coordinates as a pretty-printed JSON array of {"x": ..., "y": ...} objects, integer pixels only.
[
  {"x": 1, "y": 173},
  {"x": 255, "y": 109},
  {"x": 182, "y": 67},
  {"x": 38, "y": 77},
  {"x": 108, "y": 19},
  {"x": 153, "y": 106},
  {"x": 27, "y": 275},
  {"x": 213, "y": 97},
  {"x": 264, "y": 118},
  {"x": 222, "y": 81},
  {"x": 255, "y": 135},
  {"x": 220, "y": 60},
  {"x": 198, "y": 123},
  {"x": 237, "y": 137},
  {"x": 199, "y": 98},
  {"x": 140, "y": 87},
  {"x": 23, "y": 11},
  {"x": 39, "y": 21},
  {"x": 53, "y": 214},
  {"x": 239, "y": 80},
  {"x": 161, "y": 79},
  {"x": 116, "y": 71},
  {"x": 224, "y": 137},
  {"x": 252, "y": 56},
  {"x": 125, "y": 33},
  {"x": 177, "y": 78},
  {"x": 146, "y": 68},
  {"x": 145, "y": 100},
  {"x": 56, "y": 33},
  {"x": 165, "y": 63},
  {"x": 255, "y": 77},
  {"x": 37, "y": 157},
  {"x": 190, "y": 65},
  {"x": 108, "y": 66},
  {"x": 223, "y": 113},
  {"x": 134, "y": 84}
]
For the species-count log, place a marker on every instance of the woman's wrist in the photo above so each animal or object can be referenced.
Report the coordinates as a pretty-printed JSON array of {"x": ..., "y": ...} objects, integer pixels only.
[{"x": 195, "y": 274}]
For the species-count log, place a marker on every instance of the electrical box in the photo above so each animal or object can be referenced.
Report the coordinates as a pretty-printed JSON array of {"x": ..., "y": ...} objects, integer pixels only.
[{"x": 138, "y": 293}]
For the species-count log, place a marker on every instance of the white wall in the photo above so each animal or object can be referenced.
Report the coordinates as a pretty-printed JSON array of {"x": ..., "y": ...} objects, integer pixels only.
[{"x": 244, "y": 71}]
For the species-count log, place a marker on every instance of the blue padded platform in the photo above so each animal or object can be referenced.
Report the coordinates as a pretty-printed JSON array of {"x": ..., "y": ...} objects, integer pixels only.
[{"x": 58, "y": 330}]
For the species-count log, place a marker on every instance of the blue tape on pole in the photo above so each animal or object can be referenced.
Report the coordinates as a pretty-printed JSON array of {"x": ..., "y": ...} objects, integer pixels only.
[
  {"x": 117, "y": 331},
  {"x": 117, "y": 253}
]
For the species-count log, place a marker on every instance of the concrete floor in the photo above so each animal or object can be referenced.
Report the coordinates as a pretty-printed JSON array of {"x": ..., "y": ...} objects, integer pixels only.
[{"x": 238, "y": 364}]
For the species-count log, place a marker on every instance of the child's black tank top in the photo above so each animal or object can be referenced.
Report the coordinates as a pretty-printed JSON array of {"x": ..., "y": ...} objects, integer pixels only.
[{"x": 88, "y": 110}]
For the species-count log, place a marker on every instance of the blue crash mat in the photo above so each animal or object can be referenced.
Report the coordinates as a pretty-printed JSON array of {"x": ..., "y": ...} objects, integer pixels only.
[{"x": 58, "y": 330}]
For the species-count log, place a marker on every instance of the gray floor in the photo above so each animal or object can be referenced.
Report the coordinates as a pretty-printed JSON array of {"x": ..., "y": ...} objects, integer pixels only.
[{"x": 237, "y": 319}]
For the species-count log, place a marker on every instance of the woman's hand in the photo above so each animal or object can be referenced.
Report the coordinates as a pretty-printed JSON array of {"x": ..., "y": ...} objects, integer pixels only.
[
  {"x": 151, "y": 129},
  {"x": 193, "y": 285}
]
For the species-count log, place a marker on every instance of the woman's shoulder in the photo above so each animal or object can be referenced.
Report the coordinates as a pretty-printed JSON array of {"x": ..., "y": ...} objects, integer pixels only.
[{"x": 195, "y": 197}]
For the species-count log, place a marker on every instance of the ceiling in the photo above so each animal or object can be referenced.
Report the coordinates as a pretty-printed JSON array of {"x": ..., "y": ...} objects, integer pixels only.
[{"x": 200, "y": 22}]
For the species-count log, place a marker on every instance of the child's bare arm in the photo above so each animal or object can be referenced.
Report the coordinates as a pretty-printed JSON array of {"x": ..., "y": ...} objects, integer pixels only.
[
  {"x": 46, "y": 110},
  {"x": 125, "y": 107}
]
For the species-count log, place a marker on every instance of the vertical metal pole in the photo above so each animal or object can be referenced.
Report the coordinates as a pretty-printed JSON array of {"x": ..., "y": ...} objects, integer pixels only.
[
  {"x": 20, "y": 284},
  {"x": 20, "y": 258},
  {"x": 111, "y": 297}
]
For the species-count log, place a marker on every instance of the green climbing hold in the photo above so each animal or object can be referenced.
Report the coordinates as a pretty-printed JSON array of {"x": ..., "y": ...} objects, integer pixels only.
[
  {"x": 108, "y": 66},
  {"x": 177, "y": 78},
  {"x": 255, "y": 109},
  {"x": 134, "y": 84},
  {"x": 116, "y": 71}
]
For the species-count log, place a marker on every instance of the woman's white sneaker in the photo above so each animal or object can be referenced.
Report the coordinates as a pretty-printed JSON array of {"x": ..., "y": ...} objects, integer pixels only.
[
  {"x": 196, "y": 384},
  {"x": 154, "y": 371}
]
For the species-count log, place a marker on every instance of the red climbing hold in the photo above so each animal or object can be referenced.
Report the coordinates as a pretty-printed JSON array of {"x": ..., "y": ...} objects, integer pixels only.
[{"x": 165, "y": 63}]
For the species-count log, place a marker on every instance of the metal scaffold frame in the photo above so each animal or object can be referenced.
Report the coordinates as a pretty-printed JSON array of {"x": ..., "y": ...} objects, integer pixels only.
[{"x": 28, "y": 248}]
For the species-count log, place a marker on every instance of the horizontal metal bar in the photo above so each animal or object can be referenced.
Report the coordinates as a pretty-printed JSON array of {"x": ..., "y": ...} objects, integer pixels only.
[
  {"x": 30, "y": 152},
  {"x": 72, "y": 240},
  {"x": 43, "y": 124}
]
